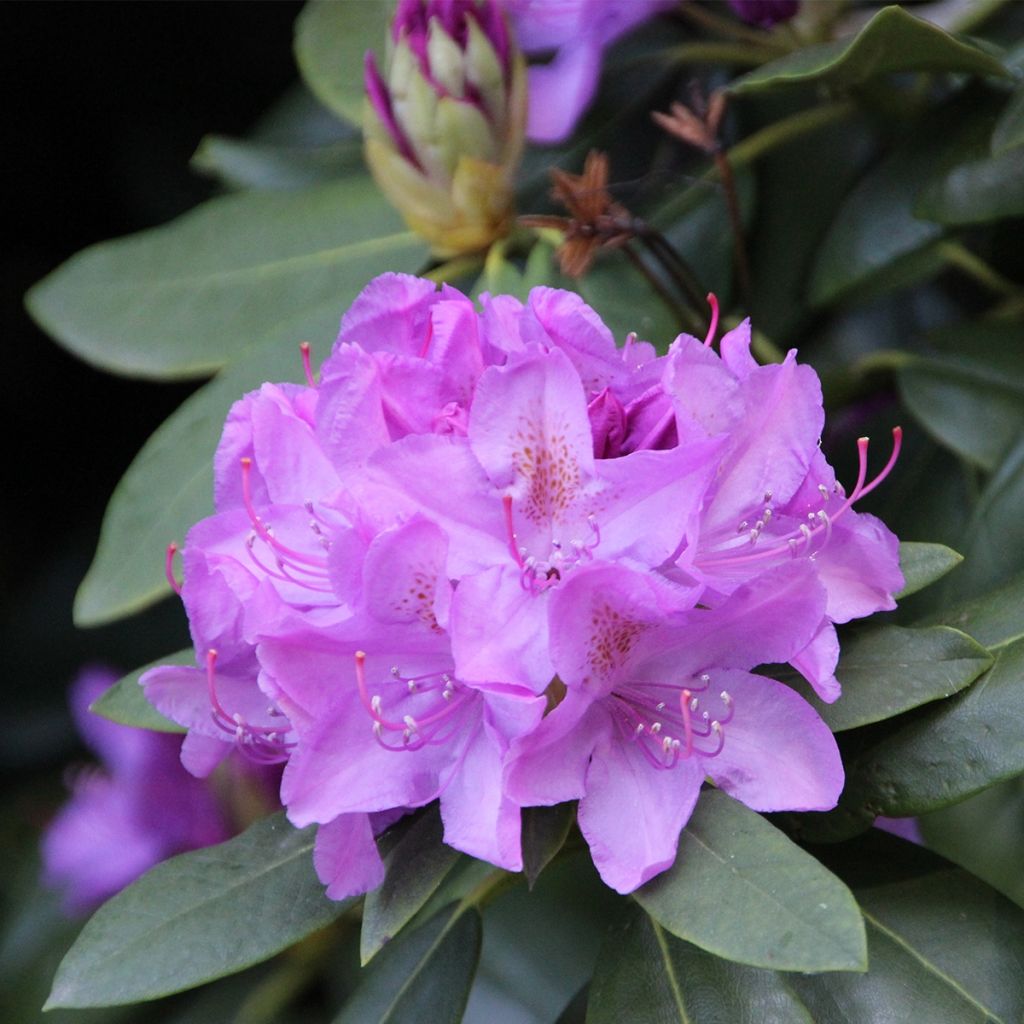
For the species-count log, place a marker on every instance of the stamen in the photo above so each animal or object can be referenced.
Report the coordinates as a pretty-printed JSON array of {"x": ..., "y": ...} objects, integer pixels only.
[
  {"x": 307, "y": 364},
  {"x": 425, "y": 348},
  {"x": 264, "y": 533},
  {"x": 513, "y": 541},
  {"x": 172, "y": 550},
  {"x": 713, "y": 303},
  {"x": 684, "y": 705}
]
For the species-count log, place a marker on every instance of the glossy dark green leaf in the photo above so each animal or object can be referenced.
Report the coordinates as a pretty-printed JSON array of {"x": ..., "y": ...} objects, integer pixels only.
[
  {"x": 424, "y": 975},
  {"x": 184, "y": 299},
  {"x": 890, "y": 669},
  {"x": 874, "y": 228},
  {"x": 1009, "y": 130},
  {"x": 645, "y": 973},
  {"x": 922, "y": 564},
  {"x": 331, "y": 37},
  {"x": 983, "y": 834},
  {"x": 545, "y": 830},
  {"x": 951, "y": 750},
  {"x": 993, "y": 619},
  {"x": 743, "y": 891},
  {"x": 125, "y": 701},
  {"x": 975, "y": 192},
  {"x": 972, "y": 406},
  {"x": 945, "y": 949},
  {"x": 994, "y": 545},
  {"x": 196, "y": 917},
  {"x": 248, "y": 163},
  {"x": 415, "y": 866},
  {"x": 169, "y": 485},
  {"x": 892, "y": 41}
]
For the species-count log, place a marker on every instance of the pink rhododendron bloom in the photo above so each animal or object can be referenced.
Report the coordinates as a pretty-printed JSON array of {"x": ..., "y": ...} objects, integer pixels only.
[
  {"x": 139, "y": 808},
  {"x": 578, "y": 31},
  {"x": 658, "y": 696},
  {"x": 493, "y": 559}
]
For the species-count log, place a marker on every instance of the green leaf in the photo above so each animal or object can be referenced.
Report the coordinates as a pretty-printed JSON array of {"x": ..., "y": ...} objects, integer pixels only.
[
  {"x": 975, "y": 192},
  {"x": 985, "y": 835},
  {"x": 184, "y": 299},
  {"x": 890, "y": 669},
  {"x": 743, "y": 891},
  {"x": 247, "y": 163},
  {"x": 425, "y": 975},
  {"x": 545, "y": 830},
  {"x": 994, "y": 548},
  {"x": 415, "y": 867},
  {"x": 923, "y": 564},
  {"x": 874, "y": 229},
  {"x": 994, "y": 619},
  {"x": 1009, "y": 130},
  {"x": 644, "y": 973},
  {"x": 950, "y": 751},
  {"x": 944, "y": 949},
  {"x": 196, "y": 917},
  {"x": 892, "y": 41},
  {"x": 331, "y": 38},
  {"x": 970, "y": 396},
  {"x": 125, "y": 702},
  {"x": 169, "y": 485}
]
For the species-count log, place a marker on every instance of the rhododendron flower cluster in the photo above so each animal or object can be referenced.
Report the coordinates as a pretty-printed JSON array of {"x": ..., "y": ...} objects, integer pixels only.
[{"x": 494, "y": 559}]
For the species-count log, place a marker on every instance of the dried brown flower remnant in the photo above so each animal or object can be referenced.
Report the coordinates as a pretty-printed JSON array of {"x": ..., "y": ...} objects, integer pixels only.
[
  {"x": 595, "y": 220},
  {"x": 698, "y": 131},
  {"x": 698, "y": 127}
]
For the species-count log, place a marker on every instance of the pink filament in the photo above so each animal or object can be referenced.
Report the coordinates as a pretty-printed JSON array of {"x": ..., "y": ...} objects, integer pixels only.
[
  {"x": 860, "y": 488},
  {"x": 264, "y": 533},
  {"x": 172, "y": 550},
  {"x": 307, "y": 365},
  {"x": 510, "y": 528},
  {"x": 713, "y": 328}
]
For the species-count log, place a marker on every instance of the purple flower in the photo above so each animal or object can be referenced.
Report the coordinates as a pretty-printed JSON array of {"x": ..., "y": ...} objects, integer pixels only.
[
  {"x": 443, "y": 125},
  {"x": 765, "y": 13},
  {"x": 658, "y": 696},
  {"x": 495, "y": 560},
  {"x": 139, "y": 808},
  {"x": 578, "y": 31}
]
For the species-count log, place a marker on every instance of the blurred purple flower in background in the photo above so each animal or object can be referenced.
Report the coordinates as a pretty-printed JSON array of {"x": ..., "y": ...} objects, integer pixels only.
[
  {"x": 765, "y": 13},
  {"x": 136, "y": 809},
  {"x": 578, "y": 32}
]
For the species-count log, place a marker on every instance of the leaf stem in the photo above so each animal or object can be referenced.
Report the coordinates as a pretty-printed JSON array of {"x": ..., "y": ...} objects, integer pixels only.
[{"x": 959, "y": 256}]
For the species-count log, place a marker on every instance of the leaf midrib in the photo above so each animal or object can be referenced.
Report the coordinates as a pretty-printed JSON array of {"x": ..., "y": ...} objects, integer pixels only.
[{"x": 930, "y": 967}]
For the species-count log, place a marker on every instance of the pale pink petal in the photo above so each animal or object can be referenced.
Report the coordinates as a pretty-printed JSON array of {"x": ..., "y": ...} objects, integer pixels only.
[
  {"x": 777, "y": 754},
  {"x": 817, "y": 663},
  {"x": 391, "y": 313},
  {"x": 633, "y": 812},
  {"x": 345, "y": 856}
]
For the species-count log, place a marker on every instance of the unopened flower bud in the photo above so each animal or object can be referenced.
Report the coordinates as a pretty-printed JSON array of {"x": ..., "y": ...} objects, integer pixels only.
[{"x": 444, "y": 122}]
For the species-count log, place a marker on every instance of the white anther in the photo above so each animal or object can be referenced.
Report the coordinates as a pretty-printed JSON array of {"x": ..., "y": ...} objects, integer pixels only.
[
  {"x": 447, "y": 694},
  {"x": 639, "y": 729},
  {"x": 412, "y": 685},
  {"x": 666, "y": 744},
  {"x": 759, "y": 525},
  {"x": 823, "y": 491},
  {"x": 705, "y": 678},
  {"x": 811, "y": 516},
  {"x": 238, "y": 719},
  {"x": 375, "y": 703},
  {"x": 660, "y": 706},
  {"x": 394, "y": 671},
  {"x": 705, "y": 716},
  {"x": 410, "y": 723},
  {"x": 726, "y": 698},
  {"x": 766, "y": 514},
  {"x": 378, "y": 729},
  {"x": 767, "y": 497},
  {"x": 694, "y": 702},
  {"x": 655, "y": 728},
  {"x": 716, "y": 727},
  {"x": 742, "y": 526},
  {"x": 806, "y": 531},
  {"x": 754, "y": 534}
]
